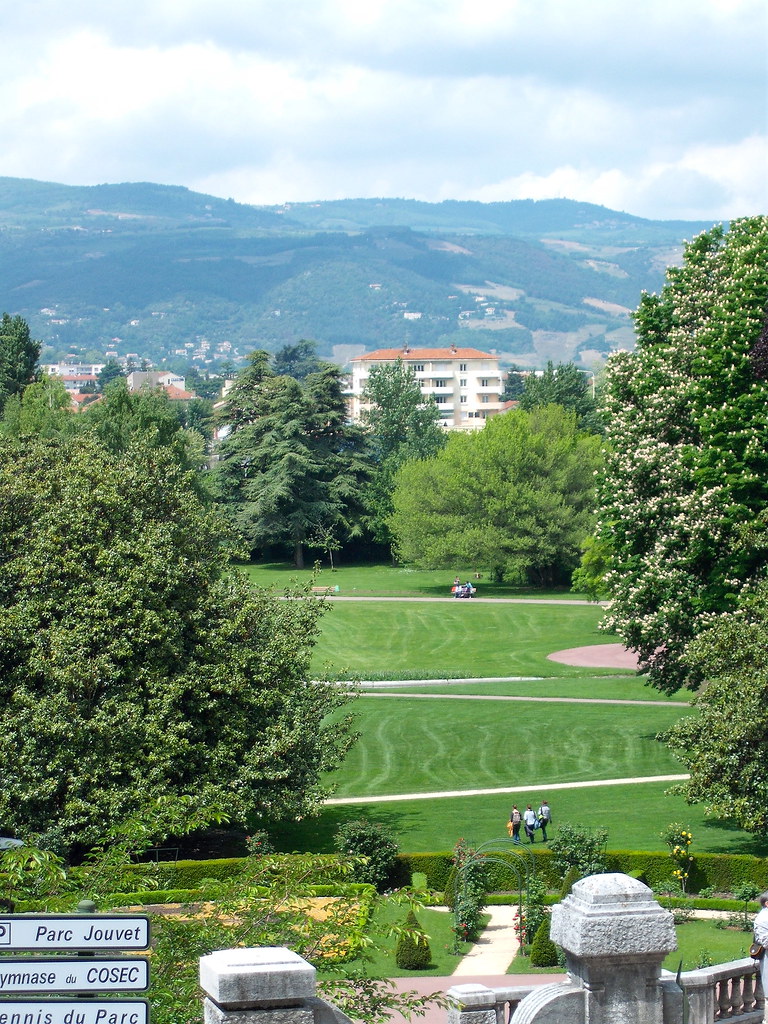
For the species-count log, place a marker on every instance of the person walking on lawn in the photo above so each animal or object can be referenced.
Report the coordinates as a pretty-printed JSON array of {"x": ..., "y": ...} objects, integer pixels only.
[
  {"x": 545, "y": 818},
  {"x": 515, "y": 819},
  {"x": 529, "y": 818}
]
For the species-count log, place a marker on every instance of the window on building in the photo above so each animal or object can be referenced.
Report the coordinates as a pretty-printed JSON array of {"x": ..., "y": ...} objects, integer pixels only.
[
  {"x": 485, "y": 398},
  {"x": 418, "y": 368},
  {"x": 462, "y": 367},
  {"x": 441, "y": 384},
  {"x": 440, "y": 399},
  {"x": 463, "y": 398},
  {"x": 485, "y": 382}
]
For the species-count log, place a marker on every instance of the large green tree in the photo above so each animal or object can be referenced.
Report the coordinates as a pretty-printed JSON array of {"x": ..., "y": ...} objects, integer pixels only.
[
  {"x": 401, "y": 425},
  {"x": 687, "y": 459},
  {"x": 19, "y": 354},
  {"x": 291, "y": 466},
  {"x": 43, "y": 408},
  {"x": 724, "y": 744},
  {"x": 135, "y": 664},
  {"x": 513, "y": 498},
  {"x": 566, "y": 385}
]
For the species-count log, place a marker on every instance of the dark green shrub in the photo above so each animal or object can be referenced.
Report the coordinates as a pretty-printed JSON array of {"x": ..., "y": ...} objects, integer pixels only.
[
  {"x": 543, "y": 949},
  {"x": 534, "y": 910},
  {"x": 412, "y": 952},
  {"x": 372, "y": 841},
  {"x": 259, "y": 844},
  {"x": 572, "y": 876},
  {"x": 470, "y": 888},
  {"x": 576, "y": 846}
]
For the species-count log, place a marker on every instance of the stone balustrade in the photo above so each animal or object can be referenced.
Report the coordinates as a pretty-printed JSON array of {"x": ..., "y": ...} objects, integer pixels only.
[
  {"x": 477, "y": 1004},
  {"x": 729, "y": 992}
]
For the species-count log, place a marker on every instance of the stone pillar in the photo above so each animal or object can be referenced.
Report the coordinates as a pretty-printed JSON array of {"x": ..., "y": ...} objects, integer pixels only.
[
  {"x": 615, "y": 937},
  {"x": 267, "y": 985}
]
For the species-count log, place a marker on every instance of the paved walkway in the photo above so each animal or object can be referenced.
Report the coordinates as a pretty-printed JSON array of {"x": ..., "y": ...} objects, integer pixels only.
[
  {"x": 527, "y": 699},
  {"x": 486, "y": 964},
  {"x": 549, "y": 786}
]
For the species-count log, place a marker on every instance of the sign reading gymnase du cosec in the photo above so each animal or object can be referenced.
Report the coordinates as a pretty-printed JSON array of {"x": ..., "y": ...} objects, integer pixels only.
[
  {"x": 73, "y": 932},
  {"x": 73, "y": 974}
]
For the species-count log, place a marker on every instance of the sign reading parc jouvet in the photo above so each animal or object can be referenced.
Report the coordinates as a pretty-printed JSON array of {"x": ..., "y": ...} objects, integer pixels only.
[{"x": 76, "y": 932}]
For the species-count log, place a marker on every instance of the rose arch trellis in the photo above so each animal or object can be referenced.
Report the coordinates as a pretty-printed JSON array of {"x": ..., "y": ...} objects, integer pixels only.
[{"x": 521, "y": 864}]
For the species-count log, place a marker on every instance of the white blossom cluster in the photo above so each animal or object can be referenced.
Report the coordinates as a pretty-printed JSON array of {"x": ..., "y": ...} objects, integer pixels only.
[{"x": 687, "y": 450}]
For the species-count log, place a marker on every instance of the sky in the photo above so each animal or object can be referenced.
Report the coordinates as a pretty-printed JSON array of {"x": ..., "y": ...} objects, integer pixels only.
[{"x": 653, "y": 107}]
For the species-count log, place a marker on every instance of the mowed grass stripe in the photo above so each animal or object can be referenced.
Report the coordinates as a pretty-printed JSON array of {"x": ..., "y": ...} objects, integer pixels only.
[
  {"x": 380, "y": 640},
  {"x": 412, "y": 746},
  {"x": 625, "y": 687}
]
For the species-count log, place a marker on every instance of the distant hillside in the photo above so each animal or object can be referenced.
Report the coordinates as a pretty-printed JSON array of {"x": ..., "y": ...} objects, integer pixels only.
[{"x": 177, "y": 276}]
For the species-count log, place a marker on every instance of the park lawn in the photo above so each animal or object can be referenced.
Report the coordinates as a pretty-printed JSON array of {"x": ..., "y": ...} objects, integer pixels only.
[
  {"x": 425, "y": 640},
  {"x": 434, "y": 743},
  {"x": 699, "y": 943},
  {"x": 634, "y": 816},
  {"x": 620, "y": 687},
  {"x": 386, "y": 580},
  {"x": 378, "y": 961}
]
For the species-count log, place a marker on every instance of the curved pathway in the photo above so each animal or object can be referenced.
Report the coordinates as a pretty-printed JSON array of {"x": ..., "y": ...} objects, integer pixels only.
[
  {"x": 530, "y": 700},
  {"x": 549, "y": 786}
]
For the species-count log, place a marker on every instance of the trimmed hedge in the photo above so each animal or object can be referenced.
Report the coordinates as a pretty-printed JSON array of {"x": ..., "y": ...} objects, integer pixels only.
[
  {"x": 187, "y": 874},
  {"x": 723, "y": 872}
]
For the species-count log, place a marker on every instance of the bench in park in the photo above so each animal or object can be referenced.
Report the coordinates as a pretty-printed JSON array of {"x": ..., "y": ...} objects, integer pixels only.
[{"x": 325, "y": 591}]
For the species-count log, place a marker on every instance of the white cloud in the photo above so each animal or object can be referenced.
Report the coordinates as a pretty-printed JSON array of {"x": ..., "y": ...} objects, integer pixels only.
[{"x": 656, "y": 108}]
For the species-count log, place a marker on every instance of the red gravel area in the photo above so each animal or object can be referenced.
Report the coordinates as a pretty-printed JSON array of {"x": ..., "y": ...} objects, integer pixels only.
[
  {"x": 436, "y": 1015},
  {"x": 597, "y": 656}
]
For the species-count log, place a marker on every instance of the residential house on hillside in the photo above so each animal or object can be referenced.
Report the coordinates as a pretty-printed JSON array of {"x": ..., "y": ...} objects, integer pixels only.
[
  {"x": 465, "y": 383},
  {"x": 173, "y": 385}
]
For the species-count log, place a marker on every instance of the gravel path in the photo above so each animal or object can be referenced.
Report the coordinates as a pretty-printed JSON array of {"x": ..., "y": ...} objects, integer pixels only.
[{"x": 549, "y": 786}]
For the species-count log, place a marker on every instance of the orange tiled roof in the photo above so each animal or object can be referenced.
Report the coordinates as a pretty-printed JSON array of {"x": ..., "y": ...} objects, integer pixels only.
[
  {"x": 424, "y": 353},
  {"x": 176, "y": 394}
]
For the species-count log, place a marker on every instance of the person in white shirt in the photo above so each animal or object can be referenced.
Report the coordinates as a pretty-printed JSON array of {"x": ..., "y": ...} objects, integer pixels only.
[
  {"x": 760, "y": 926},
  {"x": 529, "y": 821}
]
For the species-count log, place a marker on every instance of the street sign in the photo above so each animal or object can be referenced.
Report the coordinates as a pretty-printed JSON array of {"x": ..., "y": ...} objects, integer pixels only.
[
  {"x": 74, "y": 1011},
  {"x": 73, "y": 974},
  {"x": 73, "y": 932}
]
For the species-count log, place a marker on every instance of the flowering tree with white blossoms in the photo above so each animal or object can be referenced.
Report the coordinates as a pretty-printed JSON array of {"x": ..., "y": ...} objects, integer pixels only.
[{"x": 686, "y": 452}]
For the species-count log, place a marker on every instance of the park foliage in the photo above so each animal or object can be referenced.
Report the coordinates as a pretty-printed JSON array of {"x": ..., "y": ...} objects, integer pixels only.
[
  {"x": 514, "y": 498},
  {"x": 686, "y": 459},
  {"x": 135, "y": 664},
  {"x": 291, "y": 469}
]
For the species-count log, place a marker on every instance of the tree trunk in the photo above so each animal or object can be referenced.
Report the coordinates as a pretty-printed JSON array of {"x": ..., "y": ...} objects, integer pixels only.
[{"x": 298, "y": 555}]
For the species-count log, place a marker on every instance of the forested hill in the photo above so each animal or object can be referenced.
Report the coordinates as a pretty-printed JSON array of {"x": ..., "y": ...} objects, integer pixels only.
[{"x": 160, "y": 271}]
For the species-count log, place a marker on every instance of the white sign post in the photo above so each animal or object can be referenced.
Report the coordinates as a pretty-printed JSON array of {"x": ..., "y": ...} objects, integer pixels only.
[
  {"x": 73, "y": 932},
  {"x": 73, "y": 975},
  {"x": 74, "y": 1011}
]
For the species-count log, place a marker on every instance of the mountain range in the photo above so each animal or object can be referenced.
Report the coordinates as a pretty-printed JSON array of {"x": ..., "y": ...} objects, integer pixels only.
[{"x": 178, "y": 277}]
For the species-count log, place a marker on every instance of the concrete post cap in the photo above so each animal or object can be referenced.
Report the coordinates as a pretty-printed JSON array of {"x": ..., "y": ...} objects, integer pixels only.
[
  {"x": 612, "y": 915},
  {"x": 262, "y": 976}
]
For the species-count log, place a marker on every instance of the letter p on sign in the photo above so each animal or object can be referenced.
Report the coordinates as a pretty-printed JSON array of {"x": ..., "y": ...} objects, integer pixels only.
[{"x": 5, "y": 933}]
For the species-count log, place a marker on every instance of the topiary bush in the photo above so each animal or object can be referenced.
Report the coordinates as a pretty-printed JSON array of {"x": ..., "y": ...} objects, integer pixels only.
[
  {"x": 372, "y": 841},
  {"x": 543, "y": 950},
  {"x": 412, "y": 952},
  {"x": 572, "y": 876}
]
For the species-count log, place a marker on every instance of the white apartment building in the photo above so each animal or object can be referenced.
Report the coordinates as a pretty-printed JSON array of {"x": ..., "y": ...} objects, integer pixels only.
[{"x": 465, "y": 383}]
